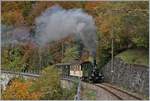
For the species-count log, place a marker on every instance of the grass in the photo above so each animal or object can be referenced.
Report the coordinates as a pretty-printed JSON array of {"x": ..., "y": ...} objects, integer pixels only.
[
  {"x": 135, "y": 56},
  {"x": 88, "y": 94},
  {"x": 127, "y": 89}
]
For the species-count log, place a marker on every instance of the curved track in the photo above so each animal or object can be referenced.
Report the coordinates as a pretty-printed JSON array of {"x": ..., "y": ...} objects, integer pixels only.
[
  {"x": 118, "y": 93},
  {"x": 112, "y": 93},
  {"x": 129, "y": 94}
]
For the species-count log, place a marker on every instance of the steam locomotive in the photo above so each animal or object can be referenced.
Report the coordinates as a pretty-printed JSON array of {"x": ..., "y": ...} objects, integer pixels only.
[{"x": 87, "y": 71}]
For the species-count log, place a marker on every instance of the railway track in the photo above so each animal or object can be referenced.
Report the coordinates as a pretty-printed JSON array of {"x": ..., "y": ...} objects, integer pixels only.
[
  {"x": 111, "y": 92},
  {"x": 118, "y": 93},
  {"x": 134, "y": 96}
]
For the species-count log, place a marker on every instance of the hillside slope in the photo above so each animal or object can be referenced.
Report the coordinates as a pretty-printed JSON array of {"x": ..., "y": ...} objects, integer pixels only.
[{"x": 135, "y": 56}]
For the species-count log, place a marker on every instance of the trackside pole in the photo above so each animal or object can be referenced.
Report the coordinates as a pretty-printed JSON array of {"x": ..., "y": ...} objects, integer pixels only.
[{"x": 77, "y": 96}]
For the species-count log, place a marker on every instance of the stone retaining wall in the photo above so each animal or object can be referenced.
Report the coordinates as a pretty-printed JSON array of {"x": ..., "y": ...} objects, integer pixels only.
[
  {"x": 132, "y": 77},
  {"x": 66, "y": 84}
]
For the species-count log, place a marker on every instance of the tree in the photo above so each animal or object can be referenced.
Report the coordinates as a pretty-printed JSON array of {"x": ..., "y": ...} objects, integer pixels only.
[
  {"x": 19, "y": 90},
  {"x": 128, "y": 21},
  {"x": 48, "y": 84},
  {"x": 14, "y": 59},
  {"x": 14, "y": 18},
  {"x": 124, "y": 21},
  {"x": 16, "y": 13},
  {"x": 71, "y": 53}
]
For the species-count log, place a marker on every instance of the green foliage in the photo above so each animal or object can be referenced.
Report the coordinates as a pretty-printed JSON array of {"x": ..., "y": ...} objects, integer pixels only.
[
  {"x": 46, "y": 57},
  {"x": 26, "y": 8},
  {"x": 88, "y": 94},
  {"x": 4, "y": 58},
  {"x": 129, "y": 28},
  {"x": 49, "y": 84},
  {"x": 69, "y": 94},
  {"x": 11, "y": 58},
  {"x": 141, "y": 41},
  {"x": 135, "y": 56},
  {"x": 70, "y": 54}
]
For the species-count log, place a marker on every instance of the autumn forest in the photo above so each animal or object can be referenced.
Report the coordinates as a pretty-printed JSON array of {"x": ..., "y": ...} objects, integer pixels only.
[{"x": 35, "y": 38}]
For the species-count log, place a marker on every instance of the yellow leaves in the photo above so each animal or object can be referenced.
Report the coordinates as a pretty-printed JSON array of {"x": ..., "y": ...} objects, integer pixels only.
[
  {"x": 35, "y": 96},
  {"x": 19, "y": 91},
  {"x": 48, "y": 83},
  {"x": 105, "y": 28}
]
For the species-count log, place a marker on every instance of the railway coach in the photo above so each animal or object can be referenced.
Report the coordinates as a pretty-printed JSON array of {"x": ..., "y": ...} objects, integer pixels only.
[{"x": 84, "y": 70}]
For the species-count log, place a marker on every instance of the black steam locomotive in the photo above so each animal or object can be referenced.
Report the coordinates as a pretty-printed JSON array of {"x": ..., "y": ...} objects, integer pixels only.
[{"x": 87, "y": 71}]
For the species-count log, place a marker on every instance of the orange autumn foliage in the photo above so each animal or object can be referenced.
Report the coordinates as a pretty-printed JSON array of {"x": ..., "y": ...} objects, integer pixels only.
[
  {"x": 13, "y": 17},
  {"x": 20, "y": 91},
  {"x": 91, "y": 5}
]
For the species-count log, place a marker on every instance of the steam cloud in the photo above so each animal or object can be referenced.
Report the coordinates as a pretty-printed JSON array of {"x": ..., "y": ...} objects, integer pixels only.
[
  {"x": 11, "y": 35},
  {"x": 56, "y": 23}
]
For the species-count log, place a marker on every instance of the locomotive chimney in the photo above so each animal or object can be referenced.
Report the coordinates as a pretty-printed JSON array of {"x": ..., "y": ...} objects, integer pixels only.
[{"x": 94, "y": 61}]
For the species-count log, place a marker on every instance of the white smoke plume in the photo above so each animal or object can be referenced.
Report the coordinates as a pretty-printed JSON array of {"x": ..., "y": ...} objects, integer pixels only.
[
  {"x": 56, "y": 23},
  {"x": 12, "y": 35}
]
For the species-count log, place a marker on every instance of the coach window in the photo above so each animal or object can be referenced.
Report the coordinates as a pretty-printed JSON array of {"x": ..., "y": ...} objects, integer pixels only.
[
  {"x": 70, "y": 68},
  {"x": 78, "y": 68},
  {"x": 75, "y": 67}
]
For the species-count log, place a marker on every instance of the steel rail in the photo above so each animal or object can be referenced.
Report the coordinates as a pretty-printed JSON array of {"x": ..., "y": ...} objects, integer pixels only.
[
  {"x": 118, "y": 97},
  {"x": 118, "y": 89}
]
